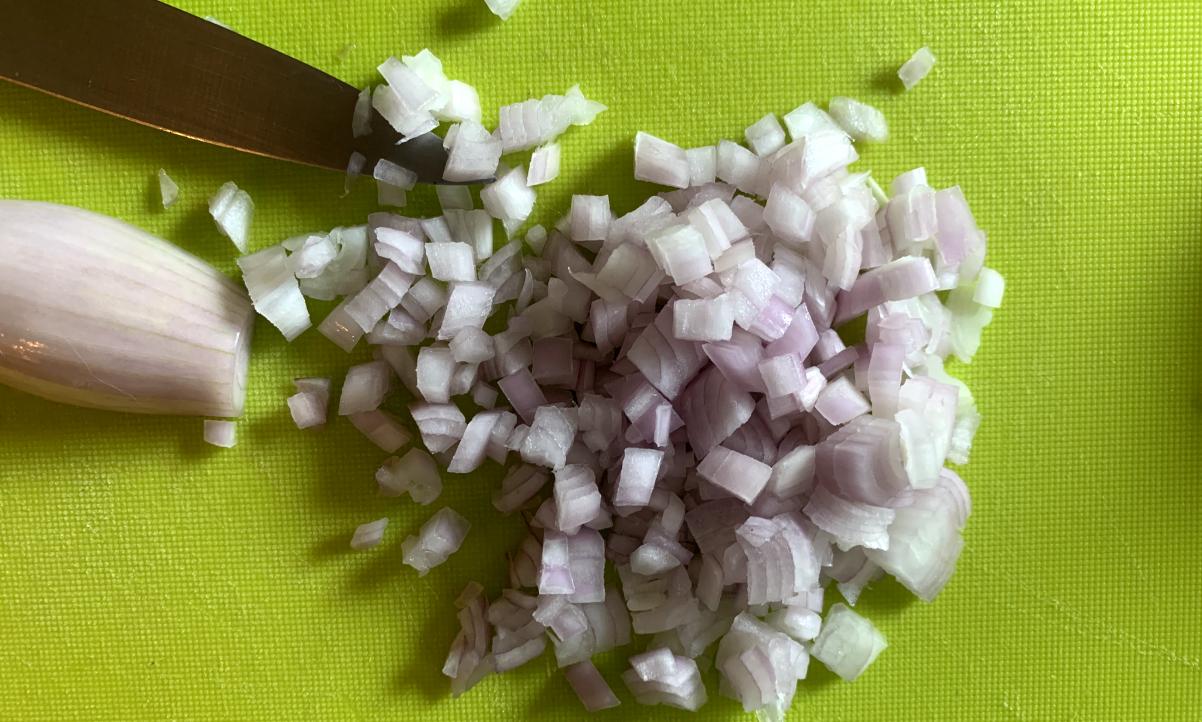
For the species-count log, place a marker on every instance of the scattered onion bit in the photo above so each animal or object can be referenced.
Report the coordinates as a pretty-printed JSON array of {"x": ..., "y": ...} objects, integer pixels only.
[
  {"x": 917, "y": 67},
  {"x": 220, "y": 433},
  {"x": 369, "y": 535},
  {"x": 502, "y": 8},
  {"x": 232, "y": 211},
  {"x": 168, "y": 190}
]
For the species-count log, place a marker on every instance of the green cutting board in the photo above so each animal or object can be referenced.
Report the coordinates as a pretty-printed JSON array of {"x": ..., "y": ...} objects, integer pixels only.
[{"x": 145, "y": 576}]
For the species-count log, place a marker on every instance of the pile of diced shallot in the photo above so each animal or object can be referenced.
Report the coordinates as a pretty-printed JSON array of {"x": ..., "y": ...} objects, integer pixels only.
[{"x": 665, "y": 389}]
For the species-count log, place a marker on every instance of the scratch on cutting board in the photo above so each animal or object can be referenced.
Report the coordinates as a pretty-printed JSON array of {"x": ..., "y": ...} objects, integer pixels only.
[{"x": 1074, "y": 621}]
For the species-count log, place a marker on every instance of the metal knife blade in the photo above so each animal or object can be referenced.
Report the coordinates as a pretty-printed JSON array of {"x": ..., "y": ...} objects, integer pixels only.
[{"x": 160, "y": 66}]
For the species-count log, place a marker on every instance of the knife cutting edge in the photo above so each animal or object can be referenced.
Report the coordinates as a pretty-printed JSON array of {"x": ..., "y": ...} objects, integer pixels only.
[{"x": 159, "y": 66}]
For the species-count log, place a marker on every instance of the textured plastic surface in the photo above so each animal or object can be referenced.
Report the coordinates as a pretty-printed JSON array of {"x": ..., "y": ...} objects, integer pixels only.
[{"x": 146, "y": 576}]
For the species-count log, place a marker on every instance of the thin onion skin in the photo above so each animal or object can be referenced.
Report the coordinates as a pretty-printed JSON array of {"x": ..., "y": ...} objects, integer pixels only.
[{"x": 101, "y": 314}]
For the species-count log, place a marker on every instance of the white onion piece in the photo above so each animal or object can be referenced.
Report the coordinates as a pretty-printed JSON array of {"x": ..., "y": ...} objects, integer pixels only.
[
  {"x": 788, "y": 215},
  {"x": 718, "y": 224},
  {"x": 884, "y": 378},
  {"x": 590, "y": 218},
  {"x": 468, "y": 306},
  {"x": 425, "y": 299},
  {"x": 415, "y": 473},
  {"x": 703, "y": 164},
  {"x": 168, "y": 190},
  {"x": 760, "y": 666},
  {"x": 840, "y": 402},
  {"x": 577, "y": 500},
  {"x": 411, "y": 89},
  {"x": 636, "y": 481},
  {"x": 578, "y": 109},
  {"x": 406, "y": 121},
  {"x": 667, "y": 363},
  {"x": 737, "y": 474},
  {"x": 473, "y": 227},
  {"x": 850, "y": 523},
  {"x": 518, "y": 637},
  {"x": 381, "y": 294},
  {"x": 703, "y": 319},
  {"x": 365, "y": 387},
  {"x": 451, "y": 261},
  {"x": 435, "y": 366},
  {"x": 818, "y": 154},
  {"x": 848, "y": 643},
  {"x": 862, "y": 461},
  {"x": 469, "y": 661},
  {"x": 232, "y": 210},
  {"x": 440, "y": 537},
  {"x": 308, "y": 408},
  {"x": 660, "y": 677},
  {"x": 544, "y": 164},
  {"x": 474, "y": 155},
  {"x": 463, "y": 377},
  {"x": 523, "y": 393},
  {"x": 381, "y": 429},
  {"x": 808, "y": 119},
  {"x": 586, "y": 559},
  {"x": 312, "y": 257},
  {"x": 631, "y": 272},
  {"x": 793, "y": 473},
  {"x": 742, "y": 168},
  {"x": 496, "y": 448},
  {"x": 471, "y": 345},
  {"x": 896, "y": 281},
  {"x": 658, "y": 161},
  {"x": 592, "y": 689},
  {"x": 536, "y": 122},
  {"x": 395, "y": 175},
  {"x": 599, "y": 420},
  {"x": 274, "y": 291},
  {"x": 911, "y": 218},
  {"x": 917, "y": 67},
  {"x": 220, "y": 433},
  {"x": 765, "y": 136},
  {"x": 989, "y": 289},
  {"x": 428, "y": 68},
  {"x": 463, "y": 104},
  {"x": 398, "y": 329},
  {"x": 361, "y": 121},
  {"x": 470, "y": 452},
  {"x": 680, "y": 251},
  {"x": 369, "y": 535},
  {"x": 861, "y": 121},
  {"x": 519, "y": 487},
  {"x": 924, "y": 539},
  {"x": 549, "y": 437},
  {"x": 347, "y": 273},
  {"x": 753, "y": 285},
  {"x": 555, "y": 574},
  {"x": 782, "y": 375},
  {"x": 509, "y": 198},
  {"x": 440, "y": 425}
]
